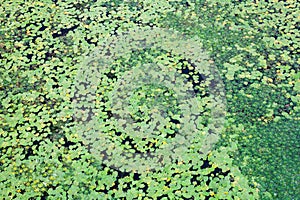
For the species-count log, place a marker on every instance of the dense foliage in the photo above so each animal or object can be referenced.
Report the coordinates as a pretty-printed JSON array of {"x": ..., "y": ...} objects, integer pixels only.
[{"x": 46, "y": 48}]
